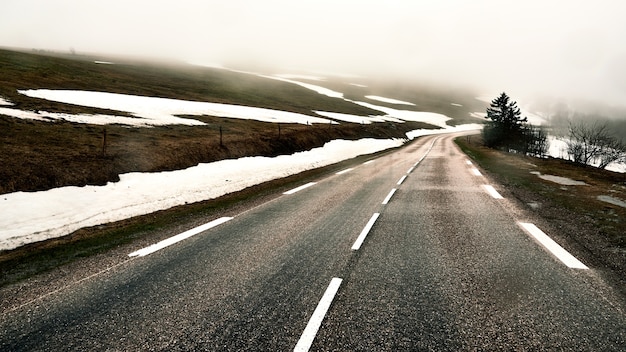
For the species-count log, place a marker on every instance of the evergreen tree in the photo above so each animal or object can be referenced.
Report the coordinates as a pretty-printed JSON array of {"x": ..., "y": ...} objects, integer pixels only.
[
  {"x": 506, "y": 130},
  {"x": 504, "y": 111}
]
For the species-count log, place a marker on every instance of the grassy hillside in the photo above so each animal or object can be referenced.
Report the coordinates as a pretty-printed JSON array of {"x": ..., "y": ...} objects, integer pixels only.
[{"x": 39, "y": 155}]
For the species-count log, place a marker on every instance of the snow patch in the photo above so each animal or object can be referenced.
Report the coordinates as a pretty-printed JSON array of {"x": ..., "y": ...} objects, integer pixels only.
[
  {"x": 558, "y": 179},
  {"x": 298, "y": 76},
  {"x": 388, "y": 100},
  {"x": 612, "y": 200},
  {"x": 408, "y": 115},
  {"x": 320, "y": 90},
  {"x": 365, "y": 120},
  {"x": 450, "y": 129},
  {"x": 4, "y": 101},
  {"x": 153, "y": 111}
]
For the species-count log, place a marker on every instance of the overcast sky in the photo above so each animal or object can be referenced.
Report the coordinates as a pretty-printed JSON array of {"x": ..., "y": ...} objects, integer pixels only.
[{"x": 565, "y": 48}]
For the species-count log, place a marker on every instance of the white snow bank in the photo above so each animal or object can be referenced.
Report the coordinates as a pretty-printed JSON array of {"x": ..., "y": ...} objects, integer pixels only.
[
  {"x": 4, "y": 101},
  {"x": 388, "y": 100},
  {"x": 450, "y": 129},
  {"x": 299, "y": 76},
  {"x": 320, "y": 90},
  {"x": 478, "y": 115},
  {"x": 365, "y": 120},
  {"x": 152, "y": 111},
  {"x": 408, "y": 115},
  {"x": 96, "y": 119},
  {"x": 34, "y": 216}
]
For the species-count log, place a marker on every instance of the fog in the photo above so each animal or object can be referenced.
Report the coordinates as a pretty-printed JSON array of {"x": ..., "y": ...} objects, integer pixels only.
[{"x": 571, "y": 50}]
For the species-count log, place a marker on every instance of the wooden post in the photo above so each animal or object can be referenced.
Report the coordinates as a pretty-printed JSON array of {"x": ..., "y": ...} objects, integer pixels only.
[{"x": 104, "y": 142}]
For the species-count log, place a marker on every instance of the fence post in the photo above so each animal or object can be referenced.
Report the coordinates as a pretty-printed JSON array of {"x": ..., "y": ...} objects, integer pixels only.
[{"x": 104, "y": 142}]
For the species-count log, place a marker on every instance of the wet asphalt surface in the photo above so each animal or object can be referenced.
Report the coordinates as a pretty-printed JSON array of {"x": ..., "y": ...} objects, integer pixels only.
[{"x": 444, "y": 268}]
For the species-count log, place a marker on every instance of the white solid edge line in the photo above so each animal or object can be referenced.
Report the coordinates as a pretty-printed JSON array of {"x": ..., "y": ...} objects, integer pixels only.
[
  {"x": 554, "y": 248},
  {"x": 476, "y": 172},
  {"x": 359, "y": 241},
  {"x": 175, "y": 239},
  {"x": 344, "y": 171},
  {"x": 311, "y": 329},
  {"x": 297, "y": 189},
  {"x": 368, "y": 162},
  {"x": 492, "y": 192},
  {"x": 388, "y": 198},
  {"x": 401, "y": 180}
]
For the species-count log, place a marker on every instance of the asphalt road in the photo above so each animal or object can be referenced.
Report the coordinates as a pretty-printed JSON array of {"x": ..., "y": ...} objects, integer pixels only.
[{"x": 407, "y": 252}]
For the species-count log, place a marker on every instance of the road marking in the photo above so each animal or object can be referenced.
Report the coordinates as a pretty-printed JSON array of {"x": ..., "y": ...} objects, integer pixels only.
[
  {"x": 476, "y": 172},
  {"x": 297, "y": 189},
  {"x": 311, "y": 329},
  {"x": 388, "y": 198},
  {"x": 468, "y": 162},
  {"x": 492, "y": 192},
  {"x": 344, "y": 171},
  {"x": 368, "y": 162},
  {"x": 359, "y": 241},
  {"x": 410, "y": 170},
  {"x": 401, "y": 180},
  {"x": 427, "y": 152},
  {"x": 558, "y": 251},
  {"x": 182, "y": 236}
]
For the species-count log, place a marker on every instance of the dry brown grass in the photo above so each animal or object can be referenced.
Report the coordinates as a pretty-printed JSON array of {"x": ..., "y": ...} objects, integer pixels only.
[{"x": 38, "y": 155}]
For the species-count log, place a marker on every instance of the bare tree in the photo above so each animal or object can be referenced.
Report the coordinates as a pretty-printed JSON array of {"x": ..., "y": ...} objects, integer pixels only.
[{"x": 591, "y": 143}]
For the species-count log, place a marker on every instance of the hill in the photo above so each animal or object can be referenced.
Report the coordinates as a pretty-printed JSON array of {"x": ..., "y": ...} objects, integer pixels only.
[{"x": 40, "y": 155}]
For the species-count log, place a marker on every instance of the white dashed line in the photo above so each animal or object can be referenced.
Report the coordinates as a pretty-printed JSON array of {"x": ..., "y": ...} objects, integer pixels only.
[
  {"x": 388, "y": 198},
  {"x": 182, "y": 236},
  {"x": 476, "y": 172},
  {"x": 411, "y": 169},
  {"x": 359, "y": 241},
  {"x": 554, "y": 248},
  {"x": 344, "y": 171},
  {"x": 468, "y": 162},
  {"x": 300, "y": 188},
  {"x": 492, "y": 192},
  {"x": 311, "y": 329},
  {"x": 401, "y": 180}
]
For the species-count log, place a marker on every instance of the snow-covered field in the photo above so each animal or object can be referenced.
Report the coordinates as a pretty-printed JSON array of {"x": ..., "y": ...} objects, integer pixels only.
[{"x": 34, "y": 216}]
